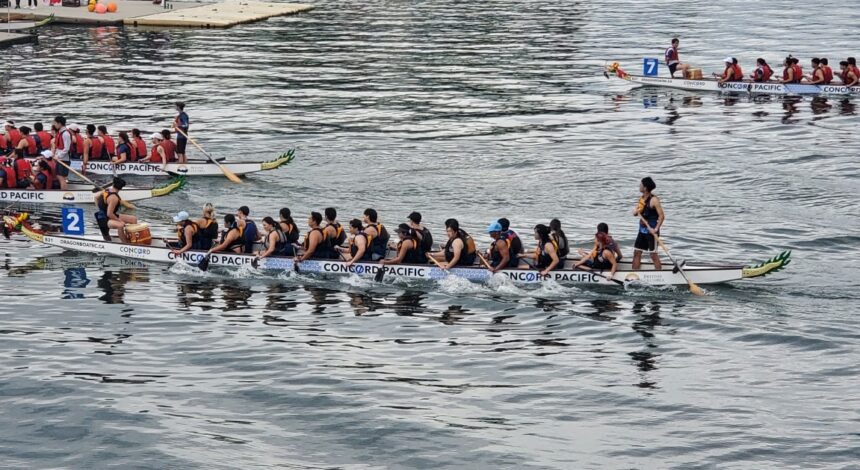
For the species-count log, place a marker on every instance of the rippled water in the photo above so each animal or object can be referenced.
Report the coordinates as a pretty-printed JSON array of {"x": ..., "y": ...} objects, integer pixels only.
[{"x": 474, "y": 110}]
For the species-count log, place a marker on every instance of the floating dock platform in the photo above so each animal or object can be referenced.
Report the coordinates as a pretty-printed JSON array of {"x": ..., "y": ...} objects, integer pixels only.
[
  {"x": 219, "y": 15},
  {"x": 11, "y": 39}
]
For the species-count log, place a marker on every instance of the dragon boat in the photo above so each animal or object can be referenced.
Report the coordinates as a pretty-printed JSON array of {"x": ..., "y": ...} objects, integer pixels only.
[
  {"x": 83, "y": 193},
  {"x": 712, "y": 85},
  {"x": 159, "y": 252},
  {"x": 192, "y": 168}
]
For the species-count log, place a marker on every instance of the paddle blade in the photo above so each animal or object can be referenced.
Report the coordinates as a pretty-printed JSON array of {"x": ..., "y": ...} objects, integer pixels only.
[
  {"x": 255, "y": 263},
  {"x": 695, "y": 289},
  {"x": 296, "y": 267},
  {"x": 380, "y": 274},
  {"x": 203, "y": 265},
  {"x": 230, "y": 175}
]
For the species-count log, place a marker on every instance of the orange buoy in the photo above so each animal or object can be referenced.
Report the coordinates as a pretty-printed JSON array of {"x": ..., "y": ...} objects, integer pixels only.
[
  {"x": 91, "y": 6},
  {"x": 100, "y": 8},
  {"x": 111, "y": 7}
]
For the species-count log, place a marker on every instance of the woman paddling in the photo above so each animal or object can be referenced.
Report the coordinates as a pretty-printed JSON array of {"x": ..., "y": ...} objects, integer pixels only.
[
  {"x": 231, "y": 239},
  {"x": 460, "y": 248},
  {"x": 359, "y": 246},
  {"x": 275, "y": 239},
  {"x": 208, "y": 227},
  {"x": 123, "y": 150},
  {"x": 546, "y": 253},
  {"x": 409, "y": 249},
  {"x": 288, "y": 226},
  {"x": 188, "y": 233}
]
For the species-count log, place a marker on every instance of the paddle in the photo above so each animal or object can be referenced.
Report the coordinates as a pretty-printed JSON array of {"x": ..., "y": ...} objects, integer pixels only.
[
  {"x": 580, "y": 268},
  {"x": 694, "y": 289},
  {"x": 158, "y": 168},
  {"x": 203, "y": 265},
  {"x": 433, "y": 260},
  {"x": 80, "y": 175},
  {"x": 484, "y": 260},
  {"x": 380, "y": 273},
  {"x": 229, "y": 174}
]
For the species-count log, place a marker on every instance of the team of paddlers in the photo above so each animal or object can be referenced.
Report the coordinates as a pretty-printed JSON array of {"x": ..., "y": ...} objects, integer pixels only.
[
  {"x": 52, "y": 150},
  {"x": 368, "y": 240},
  {"x": 792, "y": 72}
]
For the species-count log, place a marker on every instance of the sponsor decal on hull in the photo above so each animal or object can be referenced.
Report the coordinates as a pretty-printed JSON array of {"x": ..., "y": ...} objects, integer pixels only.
[{"x": 22, "y": 195}]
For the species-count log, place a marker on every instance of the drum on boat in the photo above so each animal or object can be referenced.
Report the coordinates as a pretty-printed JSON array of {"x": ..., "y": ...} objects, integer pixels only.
[
  {"x": 694, "y": 74},
  {"x": 138, "y": 234}
]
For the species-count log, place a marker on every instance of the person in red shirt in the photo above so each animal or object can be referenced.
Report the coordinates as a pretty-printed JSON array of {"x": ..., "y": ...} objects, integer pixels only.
[
  {"x": 108, "y": 144},
  {"x": 138, "y": 147},
  {"x": 673, "y": 60},
  {"x": 43, "y": 138},
  {"x": 817, "y": 77},
  {"x": 13, "y": 135},
  {"x": 849, "y": 75},
  {"x": 789, "y": 73},
  {"x": 733, "y": 72},
  {"x": 762, "y": 72}
]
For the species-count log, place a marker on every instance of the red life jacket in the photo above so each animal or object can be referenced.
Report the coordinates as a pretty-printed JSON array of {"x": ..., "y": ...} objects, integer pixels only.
[
  {"x": 52, "y": 164},
  {"x": 798, "y": 73},
  {"x": 49, "y": 181},
  {"x": 79, "y": 144},
  {"x": 32, "y": 149},
  {"x": 767, "y": 72},
  {"x": 140, "y": 146},
  {"x": 154, "y": 157},
  {"x": 169, "y": 150},
  {"x": 828, "y": 74},
  {"x": 14, "y": 136},
  {"x": 95, "y": 148},
  {"x": 44, "y": 140},
  {"x": 739, "y": 74},
  {"x": 854, "y": 69},
  {"x": 110, "y": 146},
  {"x": 672, "y": 55},
  {"x": 23, "y": 170},
  {"x": 11, "y": 181},
  {"x": 58, "y": 140},
  {"x": 3, "y": 142}
]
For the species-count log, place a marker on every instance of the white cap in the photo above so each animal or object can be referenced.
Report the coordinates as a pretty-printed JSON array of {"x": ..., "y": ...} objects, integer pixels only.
[
  {"x": 9, "y": 123},
  {"x": 156, "y": 135},
  {"x": 74, "y": 127},
  {"x": 182, "y": 216},
  {"x": 47, "y": 154},
  {"x": 728, "y": 60}
]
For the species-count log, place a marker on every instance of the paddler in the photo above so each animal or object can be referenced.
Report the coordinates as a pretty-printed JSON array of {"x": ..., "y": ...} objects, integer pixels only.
[
  {"x": 290, "y": 229},
  {"x": 762, "y": 72},
  {"x": 77, "y": 150},
  {"x": 168, "y": 145},
  {"x": 378, "y": 234},
  {"x": 157, "y": 154},
  {"x": 43, "y": 139},
  {"x": 849, "y": 75},
  {"x": 333, "y": 234},
  {"x": 732, "y": 72},
  {"x": 13, "y": 135},
  {"x": 798, "y": 70},
  {"x": 123, "y": 150},
  {"x": 423, "y": 234},
  {"x": 546, "y": 253},
  {"x": 138, "y": 145},
  {"x": 673, "y": 60},
  {"x": 359, "y": 246},
  {"x": 817, "y": 77},
  {"x": 275, "y": 240},
  {"x": 560, "y": 239},
  {"x": 500, "y": 255},
  {"x": 511, "y": 236},
  {"x": 208, "y": 227},
  {"x": 181, "y": 123},
  {"x": 604, "y": 254},
  {"x": 62, "y": 145},
  {"x": 459, "y": 249},
  {"x": 250, "y": 234},
  {"x": 44, "y": 178},
  {"x": 409, "y": 249},
  {"x": 23, "y": 170},
  {"x": 828, "y": 72},
  {"x": 231, "y": 239},
  {"x": 188, "y": 233},
  {"x": 108, "y": 144},
  {"x": 108, "y": 216},
  {"x": 313, "y": 244},
  {"x": 789, "y": 72},
  {"x": 27, "y": 144},
  {"x": 8, "y": 179},
  {"x": 650, "y": 209},
  {"x": 92, "y": 147}
]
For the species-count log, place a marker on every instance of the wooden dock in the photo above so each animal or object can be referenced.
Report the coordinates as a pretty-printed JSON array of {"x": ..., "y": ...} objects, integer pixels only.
[{"x": 219, "y": 15}]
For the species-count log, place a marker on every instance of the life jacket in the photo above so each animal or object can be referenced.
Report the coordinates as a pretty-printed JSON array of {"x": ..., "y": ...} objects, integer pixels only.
[
  {"x": 250, "y": 235},
  {"x": 828, "y": 74},
  {"x": 124, "y": 148},
  {"x": 766, "y": 72},
  {"x": 414, "y": 255},
  {"x": 544, "y": 259},
  {"x": 798, "y": 73},
  {"x": 23, "y": 170},
  {"x": 238, "y": 242},
  {"x": 32, "y": 148},
  {"x": 379, "y": 245},
  {"x": 207, "y": 232},
  {"x": 339, "y": 236},
  {"x": 648, "y": 213},
  {"x": 737, "y": 73},
  {"x": 563, "y": 246},
  {"x": 496, "y": 255},
  {"x": 321, "y": 250},
  {"x": 194, "y": 235},
  {"x": 109, "y": 147},
  {"x": 280, "y": 244},
  {"x": 49, "y": 180},
  {"x": 3, "y": 145},
  {"x": 44, "y": 141},
  {"x": 515, "y": 241},
  {"x": 353, "y": 248},
  {"x": 785, "y": 73},
  {"x": 855, "y": 70},
  {"x": 672, "y": 56},
  {"x": 467, "y": 257},
  {"x": 169, "y": 150},
  {"x": 77, "y": 150},
  {"x": 154, "y": 156},
  {"x": 52, "y": 164},
  {"x": 292, "y": 232},
  {"x": 95, "y": 148},
  {"x": 58, "y": 139},
  {"x": 11, "y": 180},
  {"x": 426, "y": 240},
  {"x": 102, "y": 202},
  {"x": 138, "y": 147},
  {"x": 14, "y": 137}
]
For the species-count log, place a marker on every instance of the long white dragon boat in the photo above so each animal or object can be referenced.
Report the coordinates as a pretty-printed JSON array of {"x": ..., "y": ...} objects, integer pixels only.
[
  {"x": 706, "y": 84},
  {"x": 83, "y": 193},
  {"x": 192, "y": 168},
  {"x": 158, "y": 252}
]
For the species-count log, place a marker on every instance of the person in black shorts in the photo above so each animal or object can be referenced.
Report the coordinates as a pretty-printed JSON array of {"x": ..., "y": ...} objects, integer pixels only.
[
  {"x": 181, "y": 123},
  {"x": 651, "y": 211}
]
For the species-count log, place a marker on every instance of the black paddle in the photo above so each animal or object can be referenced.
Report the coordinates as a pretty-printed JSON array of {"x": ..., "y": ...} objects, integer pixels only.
[
  {"x": 203, "y": 265},
  {"x": 380, "y": 273},
  {"x": 580, "y": 268}
]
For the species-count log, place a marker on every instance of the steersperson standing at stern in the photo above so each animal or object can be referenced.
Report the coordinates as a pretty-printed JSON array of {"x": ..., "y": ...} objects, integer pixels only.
[{"x": 181, "y": 123}]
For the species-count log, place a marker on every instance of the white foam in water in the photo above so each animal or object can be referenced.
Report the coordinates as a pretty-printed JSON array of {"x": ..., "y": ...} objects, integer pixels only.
[
  {"x": 246, "y": 271},
  {"x": 458, "y": 285},
  {"x": 184, "y": 269},
  {"x": 355, "y": 280}
]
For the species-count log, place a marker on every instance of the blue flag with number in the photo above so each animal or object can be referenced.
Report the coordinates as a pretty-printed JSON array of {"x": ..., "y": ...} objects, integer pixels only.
[{"x": 73, "y": 220}]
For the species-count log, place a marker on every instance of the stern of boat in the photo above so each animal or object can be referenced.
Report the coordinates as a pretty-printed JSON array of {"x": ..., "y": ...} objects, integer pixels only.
[
  {"x": 615, "y": 69},
  {"x": 777, "y": 263},
  {"x": 19, "y": 223}
]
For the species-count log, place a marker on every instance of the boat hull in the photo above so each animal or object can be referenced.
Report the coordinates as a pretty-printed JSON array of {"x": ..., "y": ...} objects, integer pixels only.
[
  {"x": 82, "y": 194},
  {"x": 161, "y": 254},
  {"x": 98, "y": 167}
]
